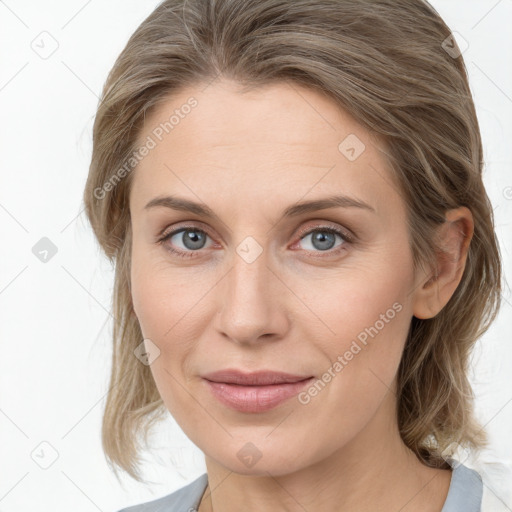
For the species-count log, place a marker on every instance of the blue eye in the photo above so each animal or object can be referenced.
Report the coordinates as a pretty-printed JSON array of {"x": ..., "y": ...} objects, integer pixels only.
[
  {"x": 324, "y": 238},
  {"x": 193, "y": 240}
]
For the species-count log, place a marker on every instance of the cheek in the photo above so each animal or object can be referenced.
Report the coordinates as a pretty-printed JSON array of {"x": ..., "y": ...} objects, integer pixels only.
[
  {"x": 159, "y": 305},
  {"x": 361, "y": 361},
  {"x": 163, "y": 297},
  {"x": 171, "y": 313},
  {"x": 370, "y": 307},
  {"x": 369, "y": 310}
]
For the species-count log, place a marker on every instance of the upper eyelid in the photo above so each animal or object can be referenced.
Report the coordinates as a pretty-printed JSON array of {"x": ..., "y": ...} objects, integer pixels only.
[
  {"x": 345, "y": 233},
  {"x": 186, "y": 225}
]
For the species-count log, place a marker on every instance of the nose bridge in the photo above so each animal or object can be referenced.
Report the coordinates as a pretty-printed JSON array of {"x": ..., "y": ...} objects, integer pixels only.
[
  {"x": 249, "y": 275},
  {"x": 249, "y": 302}
]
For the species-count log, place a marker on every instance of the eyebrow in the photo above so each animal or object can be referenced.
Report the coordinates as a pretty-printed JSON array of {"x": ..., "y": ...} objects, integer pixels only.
[{"x": 339, "y": 201}]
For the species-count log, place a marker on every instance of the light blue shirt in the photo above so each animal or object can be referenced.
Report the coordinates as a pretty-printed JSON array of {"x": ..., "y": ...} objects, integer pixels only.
[{"x": 464, "y": 494}]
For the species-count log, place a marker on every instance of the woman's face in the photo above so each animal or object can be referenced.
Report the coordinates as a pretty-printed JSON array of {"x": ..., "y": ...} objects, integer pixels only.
[{"x": 265, "y": 284}]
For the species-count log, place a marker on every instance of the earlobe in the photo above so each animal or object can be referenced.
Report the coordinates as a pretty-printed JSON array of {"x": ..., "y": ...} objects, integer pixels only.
[{"x": 436, "y": 289}]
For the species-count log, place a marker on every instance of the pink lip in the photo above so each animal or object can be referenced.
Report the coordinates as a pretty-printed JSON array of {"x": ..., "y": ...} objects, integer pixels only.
[{"x": 254, "y": 392}]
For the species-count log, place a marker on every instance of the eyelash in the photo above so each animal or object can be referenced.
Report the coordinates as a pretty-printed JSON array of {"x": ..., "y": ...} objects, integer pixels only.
[{"x": 190, "y": 254}]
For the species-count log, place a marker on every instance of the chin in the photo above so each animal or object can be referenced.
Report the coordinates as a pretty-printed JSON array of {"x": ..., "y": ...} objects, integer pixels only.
[{"x": 250, "y": 459}]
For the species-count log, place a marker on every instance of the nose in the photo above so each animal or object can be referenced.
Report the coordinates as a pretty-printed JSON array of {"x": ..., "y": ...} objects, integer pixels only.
[{"x": 251, "y": 302}]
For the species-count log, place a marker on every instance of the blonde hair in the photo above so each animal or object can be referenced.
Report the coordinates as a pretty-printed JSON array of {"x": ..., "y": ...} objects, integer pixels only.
[{"x": 384, "y": 62}]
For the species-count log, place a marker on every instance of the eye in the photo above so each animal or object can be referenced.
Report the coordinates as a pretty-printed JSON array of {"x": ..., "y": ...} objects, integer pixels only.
[
  {"x": 187, "y": 240},
  {"x": 192, "y": 240},
  {"x": 323, "y": 239}
]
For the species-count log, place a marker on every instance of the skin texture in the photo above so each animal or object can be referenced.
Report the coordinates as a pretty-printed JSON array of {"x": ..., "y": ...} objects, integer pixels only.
[{"x": 295, "y": 308}]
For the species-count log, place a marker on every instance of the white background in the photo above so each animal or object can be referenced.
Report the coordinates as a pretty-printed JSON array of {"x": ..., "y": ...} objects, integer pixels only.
[{"x": 55, "y": 325}]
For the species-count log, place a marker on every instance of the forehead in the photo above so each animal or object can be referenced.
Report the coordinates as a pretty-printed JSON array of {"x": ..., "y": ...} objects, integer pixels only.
[{"x": 278, "y": 141}]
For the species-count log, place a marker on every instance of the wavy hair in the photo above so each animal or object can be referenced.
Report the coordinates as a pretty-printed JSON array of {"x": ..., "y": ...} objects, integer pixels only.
[{"x": 395, "y": 67}]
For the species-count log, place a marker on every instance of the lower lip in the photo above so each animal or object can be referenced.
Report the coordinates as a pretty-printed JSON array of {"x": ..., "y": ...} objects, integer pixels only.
[{"x": 255, "y": 398}]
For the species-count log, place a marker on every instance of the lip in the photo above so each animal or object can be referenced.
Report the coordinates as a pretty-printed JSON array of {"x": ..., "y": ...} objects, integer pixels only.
[
  {"x": 259, "y": 378},
  {"x": 254, "y": 392}
]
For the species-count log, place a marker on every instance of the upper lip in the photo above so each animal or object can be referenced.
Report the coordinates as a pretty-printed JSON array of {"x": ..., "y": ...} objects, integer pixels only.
[{"x": 259, "y": 378}]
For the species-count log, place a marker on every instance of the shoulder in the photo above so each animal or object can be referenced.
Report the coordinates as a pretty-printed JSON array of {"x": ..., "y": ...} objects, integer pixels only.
[
  {"x": 185, "y": 499},
  {"x": 483, "y": 484},
  {"x": 466, "y": 488},
  {"x": 479, "y": 487}
]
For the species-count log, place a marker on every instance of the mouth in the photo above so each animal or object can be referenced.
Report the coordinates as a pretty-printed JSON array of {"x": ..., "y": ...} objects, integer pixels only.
[
  {"x": 254, "y": 392},
  {"x": 260, "y": 378}
]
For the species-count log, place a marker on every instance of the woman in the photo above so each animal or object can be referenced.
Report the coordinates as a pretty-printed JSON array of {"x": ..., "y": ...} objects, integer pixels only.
[{"x": 305, "y": 254}]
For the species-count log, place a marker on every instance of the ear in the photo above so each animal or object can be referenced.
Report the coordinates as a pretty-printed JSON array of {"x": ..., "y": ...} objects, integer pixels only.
[{"x": 433, "y": 291}]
